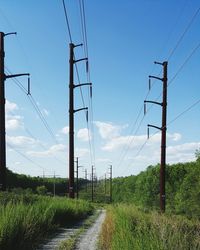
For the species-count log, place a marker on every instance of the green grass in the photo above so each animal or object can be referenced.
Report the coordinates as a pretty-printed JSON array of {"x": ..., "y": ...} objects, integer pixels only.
[
  {"x": 126, "y": 227},
  {"x": 24, "y": 223}
]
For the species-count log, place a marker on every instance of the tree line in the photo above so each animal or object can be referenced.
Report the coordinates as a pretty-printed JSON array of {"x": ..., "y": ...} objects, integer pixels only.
[{"x": 182, "y": 188}]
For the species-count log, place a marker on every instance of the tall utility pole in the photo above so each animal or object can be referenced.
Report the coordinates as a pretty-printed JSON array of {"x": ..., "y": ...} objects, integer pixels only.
[
  {"x": 163, "y": 133},
  {"x": 3, "y": 77},
  {"x": 110, "y": 183},
  {"x": 72, "y": 86}
]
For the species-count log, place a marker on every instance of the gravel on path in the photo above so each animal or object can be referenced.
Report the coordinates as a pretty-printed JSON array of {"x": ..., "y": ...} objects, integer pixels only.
[{"x": 88, "y": 240}]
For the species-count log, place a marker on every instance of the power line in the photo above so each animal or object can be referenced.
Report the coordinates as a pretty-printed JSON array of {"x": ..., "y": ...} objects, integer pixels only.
[
  {"x": 42, "y": 118},
  {"x": 173, "y": 120},
  {"x": 45, "y": 148},
  {"x": 35, "y": 106},
  {"x": 185, "y": 111},
  {"x": 67, "y": 20},
  {"x": 24, "y": 156},
  {"x": 184, "y": 63},
  {"x": 85, "y": 43},
  {"x": 184, "y": 33}
]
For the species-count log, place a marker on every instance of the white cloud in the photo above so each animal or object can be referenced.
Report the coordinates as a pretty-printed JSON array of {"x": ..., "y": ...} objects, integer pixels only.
[
  {"x": 103, "y": 160},
  {"x": 13, "y": 122},
  {"x": 20, "y": 141},
  {"x": 45, "y": 112},
  {"x": 58, "y": 148},
  {"x": 81, "y": 152},
  {"x": 108, "y": 130},
  {"x": 10, "y": 106},
  {"x": 84, "y": 134},
  {"x": 121, "y": 141},
  {"x": 174, "y": 137},
  {"x": 134, "y": 142},
  {"x": 65, "y": 130},
  {"x": 183, "y": 152}
]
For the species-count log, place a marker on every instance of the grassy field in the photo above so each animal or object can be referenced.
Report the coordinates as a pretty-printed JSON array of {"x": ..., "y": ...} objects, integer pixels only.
[
  {"x": 25, "y": 220},
  {"x": 126, "y": 227}
]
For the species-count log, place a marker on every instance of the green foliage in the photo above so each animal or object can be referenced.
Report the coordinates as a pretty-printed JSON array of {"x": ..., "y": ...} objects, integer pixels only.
[
  {"x": 41, "y": 190},
  {"x": 23, "y": 222},
  {"x": 132, "y": 228},
  {"x": 182, "y": 188},
  {"x": 20, "y": 182}
]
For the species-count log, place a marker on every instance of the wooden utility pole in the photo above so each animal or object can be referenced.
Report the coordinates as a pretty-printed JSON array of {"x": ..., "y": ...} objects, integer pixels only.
[
  {"x": 110, "y": 183},
  {"x": 163, "y": 133},
  {"x": 3, "y": 77},
  {"x": 86, "y": 180},
  {"x": 2, "y": 117},
  {"x": 163, "y": 140},
  {"x": 71, "y": 121},
  {"x": 72, "y": 86},
  {"x": 77, "y": 182},
  {"x": 105, "y": 186},
  {"x": 92, "y": 183}
]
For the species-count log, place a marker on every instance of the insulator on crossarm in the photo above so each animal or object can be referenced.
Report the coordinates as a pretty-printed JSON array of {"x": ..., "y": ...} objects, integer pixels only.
[
  {"x": 29, "y": 87},
  {"x": 87, "y": 66},
  {"x": 87, "y": 115},
  {"x": 90, "y": 91},
  {"x": 149, "y": 84},
  {"x": 145, "y": 108},
  {"x": 147, "y": 132}
]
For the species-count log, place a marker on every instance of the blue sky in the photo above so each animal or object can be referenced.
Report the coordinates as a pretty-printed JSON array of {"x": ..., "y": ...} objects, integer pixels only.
[{"x": 124, "y": 39}]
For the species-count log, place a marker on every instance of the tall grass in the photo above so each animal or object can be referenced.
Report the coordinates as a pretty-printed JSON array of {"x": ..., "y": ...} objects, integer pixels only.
[
  {"x": 23, "y": 224},
  {"x": 126, "y": 227}
]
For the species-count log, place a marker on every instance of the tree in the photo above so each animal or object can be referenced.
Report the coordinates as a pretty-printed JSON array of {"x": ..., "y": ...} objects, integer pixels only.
[{"x": 41, "y": 190}]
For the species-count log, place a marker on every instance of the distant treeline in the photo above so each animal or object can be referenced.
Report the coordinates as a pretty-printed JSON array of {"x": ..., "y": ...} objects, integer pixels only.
[
  {"x": 182, "y": 188},
  {"x": 19, "y": 182}
]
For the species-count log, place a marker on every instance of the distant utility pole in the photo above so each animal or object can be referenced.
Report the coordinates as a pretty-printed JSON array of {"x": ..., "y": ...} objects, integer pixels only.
[
  {"x": 110, "y": 183},
  {"x": 105, "y": 186},
  {"x": 72, "y": 86},
  {"x": 3, "y": 77},
  {"x": 92, "y": 183},
  {"x": 163, "y": 133},
  {"x": 54, "y": 181},
  {"x": 86, "y": 180},
  {"x": 77, "y": 183}
]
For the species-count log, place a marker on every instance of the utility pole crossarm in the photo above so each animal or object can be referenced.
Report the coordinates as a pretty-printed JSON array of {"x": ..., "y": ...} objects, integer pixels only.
[
  {"x": 77, "y": 110},
  {"x": 16, "y": 75},
  {"x": 153, "y": 126},
  {"x": 83, "y": 84},
  {"x": 79, "y": 60},
  {"x": 158, "y": 103},
  {"x": 156, "y": 77}
]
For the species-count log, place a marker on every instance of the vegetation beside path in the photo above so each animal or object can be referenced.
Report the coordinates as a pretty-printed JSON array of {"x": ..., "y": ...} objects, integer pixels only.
[
  {"x": 25, "y": 220},
  {"x": 127, "y": 227}
]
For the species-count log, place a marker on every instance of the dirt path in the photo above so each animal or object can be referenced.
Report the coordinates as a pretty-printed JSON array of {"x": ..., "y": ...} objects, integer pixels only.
[{"x": 88, "y": 240}]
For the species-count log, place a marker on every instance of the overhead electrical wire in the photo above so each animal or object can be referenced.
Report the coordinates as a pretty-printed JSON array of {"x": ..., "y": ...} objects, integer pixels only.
[
  {"x": 76, "y": 67},
  {"x": 85, "y": 43},
  {"x": 170, "y": 81},
  {"x": 35, "y": 106},
  {"x": 24, "y": 156},
  {"x": 184, "y": 33}
]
